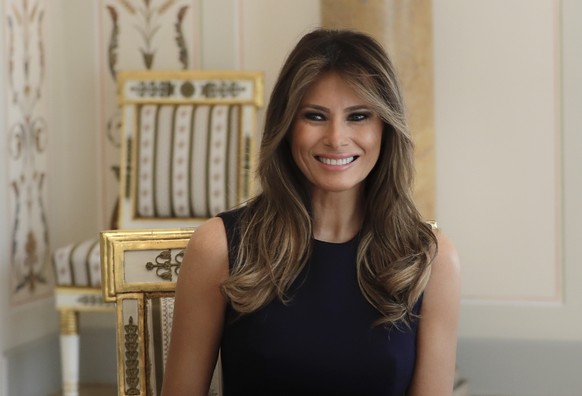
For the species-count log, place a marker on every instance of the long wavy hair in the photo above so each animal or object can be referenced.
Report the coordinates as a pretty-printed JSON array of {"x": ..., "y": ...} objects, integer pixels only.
[{"x": 395, "y": 247}]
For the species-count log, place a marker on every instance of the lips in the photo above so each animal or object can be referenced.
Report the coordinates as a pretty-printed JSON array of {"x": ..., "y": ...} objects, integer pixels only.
[{"x": 336, "y": 161}]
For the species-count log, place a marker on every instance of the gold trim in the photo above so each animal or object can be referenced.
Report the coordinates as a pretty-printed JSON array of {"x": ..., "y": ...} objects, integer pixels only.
[
  {"x": 131, "y": 166},
  {"x": 63, "y": 289},
  {"x": 88, "y": 299},
  {"x": 120, "y": 350},
  {"x": 128, "y": 75},
  {"x": 131, "y": 362},
  {"x": 69, "y": 322},
  {"x": 433, "y": 224},
  {"x": 241, "y": 149},
  {"x": 139, "y": 355},
  {"x": 164, "y": 264},
  {"x": 114, "y": 244}
]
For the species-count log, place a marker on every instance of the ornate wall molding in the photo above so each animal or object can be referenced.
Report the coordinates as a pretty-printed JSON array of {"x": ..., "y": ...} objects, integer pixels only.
[{"x": 27, "y": 136}]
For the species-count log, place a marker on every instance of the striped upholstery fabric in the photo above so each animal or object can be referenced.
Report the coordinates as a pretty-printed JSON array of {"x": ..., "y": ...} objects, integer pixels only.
[
  {"x": 188, "y": 145},
  {"x": 187, "y": 160},
  {"x": 159, "y": 315},
  {"x": 160, "y": 312},
  {"x": 78, "y": 264}
]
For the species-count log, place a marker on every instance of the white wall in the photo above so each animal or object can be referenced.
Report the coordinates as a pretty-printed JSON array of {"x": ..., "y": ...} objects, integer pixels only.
[
  {"x": 508, "y": 98},
  {"x": 4, "y": 235},
  {"x": 499, "y": 162},
  {"x": 74, "y": 167}
]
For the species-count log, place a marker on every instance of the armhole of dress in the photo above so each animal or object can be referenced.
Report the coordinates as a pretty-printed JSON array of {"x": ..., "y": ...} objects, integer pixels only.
[{"x": 230, "y": 222}]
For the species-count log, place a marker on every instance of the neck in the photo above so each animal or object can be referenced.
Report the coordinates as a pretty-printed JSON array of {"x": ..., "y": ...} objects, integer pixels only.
[{"x": 337, "y": 217}]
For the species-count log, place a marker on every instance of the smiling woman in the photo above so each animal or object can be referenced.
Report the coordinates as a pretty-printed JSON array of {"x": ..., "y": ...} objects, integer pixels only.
[
  {"x": 328, "y": 282},
  {"x": 336, "y": 138}
]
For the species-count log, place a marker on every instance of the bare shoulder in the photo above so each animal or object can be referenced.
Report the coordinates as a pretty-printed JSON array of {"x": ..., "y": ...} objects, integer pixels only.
[
  {"x": 210, "y": 235},
  {"x": 446, "y": 262},
  {"x": 437, "y": 328},
  {"x": 208, "y": 249},
  {"x": 443, "y": 288}
]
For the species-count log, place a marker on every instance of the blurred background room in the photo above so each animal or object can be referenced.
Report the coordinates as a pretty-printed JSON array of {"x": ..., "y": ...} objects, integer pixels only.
[{"x": 494, "y": 93}]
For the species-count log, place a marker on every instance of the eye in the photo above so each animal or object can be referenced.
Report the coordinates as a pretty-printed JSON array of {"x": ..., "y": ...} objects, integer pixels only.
[
  {"x": 314, "y": 116},
  {"x": 359, "y": 116}
]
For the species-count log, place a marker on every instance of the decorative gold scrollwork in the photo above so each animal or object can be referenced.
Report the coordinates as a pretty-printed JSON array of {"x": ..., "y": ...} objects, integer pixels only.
[
  {"x": 166, "y": 89},
  {"x": 131, "y": 358},
  {"x": 90, "y": 299},
  {"x": 164, "y": 265},
  {"x": 153, "y": 89},
  {"x": 223, "y": 89}
]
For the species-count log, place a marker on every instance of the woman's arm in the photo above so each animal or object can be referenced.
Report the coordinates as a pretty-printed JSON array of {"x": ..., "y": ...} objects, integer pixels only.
[
  {"x": 437, "y": 329},
  {"x": 198, "y": 313}
]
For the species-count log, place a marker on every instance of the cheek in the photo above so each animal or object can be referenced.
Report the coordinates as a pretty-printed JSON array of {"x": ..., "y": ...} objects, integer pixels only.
[
  {"x": 374, "y": 145},
  {"x": 373, "y": 140},
  {"x": 296, "y": 142},
  {"x": 300, "y": 139}
]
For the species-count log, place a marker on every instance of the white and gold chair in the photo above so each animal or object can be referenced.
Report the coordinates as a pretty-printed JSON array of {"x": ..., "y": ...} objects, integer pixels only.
[
  {"x": 188, "y": 145},
  {"x": 140, "y": 269}
]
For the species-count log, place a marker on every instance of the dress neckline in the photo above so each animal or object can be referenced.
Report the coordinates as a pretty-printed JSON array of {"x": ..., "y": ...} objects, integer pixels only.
[{"x": 348, "y": 242}]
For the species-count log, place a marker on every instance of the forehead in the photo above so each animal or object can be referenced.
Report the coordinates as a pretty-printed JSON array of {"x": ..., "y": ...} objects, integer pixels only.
[{"x": 331, "y": 87}]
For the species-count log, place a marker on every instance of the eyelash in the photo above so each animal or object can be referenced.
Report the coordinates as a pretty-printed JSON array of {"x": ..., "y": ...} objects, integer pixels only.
[
  {"x": 359, "y": 117},
  {"x": 355, "y": 117}
]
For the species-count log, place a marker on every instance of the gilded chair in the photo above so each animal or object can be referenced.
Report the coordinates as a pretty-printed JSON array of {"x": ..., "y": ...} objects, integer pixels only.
[
  {"x": 188, "y": 142},
  {"x": 140, "y": 269},
  {"x": 78, "y": 289}
]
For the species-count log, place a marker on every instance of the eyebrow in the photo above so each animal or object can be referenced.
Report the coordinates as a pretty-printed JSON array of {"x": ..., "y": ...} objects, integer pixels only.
[{"x": 326, "y": 110}]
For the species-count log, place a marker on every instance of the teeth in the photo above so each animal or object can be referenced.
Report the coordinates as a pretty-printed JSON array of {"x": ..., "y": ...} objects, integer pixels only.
[{"x": 331, "y": 161}]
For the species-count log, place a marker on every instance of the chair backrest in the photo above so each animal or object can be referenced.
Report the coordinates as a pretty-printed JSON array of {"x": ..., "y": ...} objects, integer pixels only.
[
  {"x": 188, "y": 144},
  {"x": 140, "y": 269}
]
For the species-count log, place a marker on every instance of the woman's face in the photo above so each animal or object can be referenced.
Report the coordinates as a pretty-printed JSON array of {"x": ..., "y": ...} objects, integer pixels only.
[{"x": 336, "y": 137}]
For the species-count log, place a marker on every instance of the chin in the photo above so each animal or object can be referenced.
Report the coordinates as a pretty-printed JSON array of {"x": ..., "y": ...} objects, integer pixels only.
[{"x": 337, "y": 188}]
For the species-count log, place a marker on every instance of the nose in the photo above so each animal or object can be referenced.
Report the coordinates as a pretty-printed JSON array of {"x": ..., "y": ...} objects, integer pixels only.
[{"x": 336, "y": 134}]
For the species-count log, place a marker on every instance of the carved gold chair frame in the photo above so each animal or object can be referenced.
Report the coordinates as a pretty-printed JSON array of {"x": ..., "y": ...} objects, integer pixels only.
[{"x": 140, "y": 270}]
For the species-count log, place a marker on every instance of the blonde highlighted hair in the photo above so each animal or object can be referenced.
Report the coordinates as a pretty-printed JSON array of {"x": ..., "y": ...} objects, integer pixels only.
[{"x": 395, "y": 247}]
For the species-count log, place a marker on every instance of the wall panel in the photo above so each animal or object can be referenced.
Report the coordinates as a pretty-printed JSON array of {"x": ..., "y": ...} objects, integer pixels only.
[
  {"x": 499, "y": 153},
  {"x": 499, "y": 161}
]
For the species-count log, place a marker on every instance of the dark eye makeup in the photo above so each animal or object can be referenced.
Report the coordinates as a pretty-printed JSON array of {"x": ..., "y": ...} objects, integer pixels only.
[
  {"x": 356, "y": 116},
  {"x": 314, "y": 116},
  {"x": 359, "y": 116}
]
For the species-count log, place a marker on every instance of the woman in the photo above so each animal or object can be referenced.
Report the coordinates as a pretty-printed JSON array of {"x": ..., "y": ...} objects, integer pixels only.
[{"x": 328, "y": 282}]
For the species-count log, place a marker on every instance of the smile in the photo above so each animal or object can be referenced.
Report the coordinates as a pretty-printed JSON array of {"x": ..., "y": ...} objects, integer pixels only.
[{"x": 336, "y": 162}]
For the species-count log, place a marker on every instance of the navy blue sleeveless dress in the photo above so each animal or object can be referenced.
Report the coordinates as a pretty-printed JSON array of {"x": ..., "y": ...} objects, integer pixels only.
[{"x": 323, "y": 342}]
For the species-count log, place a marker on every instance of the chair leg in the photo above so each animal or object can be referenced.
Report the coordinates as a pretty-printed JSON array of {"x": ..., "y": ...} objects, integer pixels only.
[{"x": 70, "y": 351}]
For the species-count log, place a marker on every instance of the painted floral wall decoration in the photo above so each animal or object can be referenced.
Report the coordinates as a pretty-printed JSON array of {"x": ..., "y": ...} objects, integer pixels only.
[
  {"x": 28, "y": 132},
  {"x": 139, "y": 35}
]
